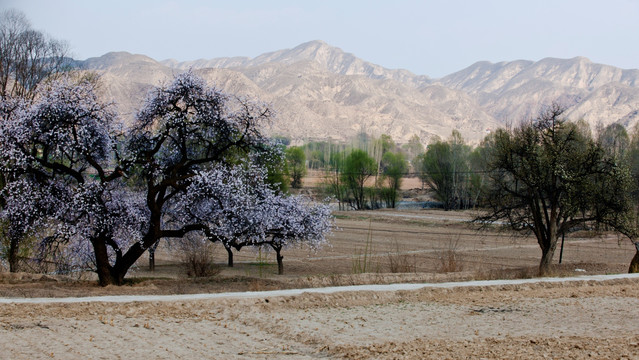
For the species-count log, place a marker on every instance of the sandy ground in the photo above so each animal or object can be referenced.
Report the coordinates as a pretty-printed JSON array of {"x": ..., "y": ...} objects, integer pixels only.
[
  {"x": 529, "y": 321},
  {"x": 532, "y": 321}
]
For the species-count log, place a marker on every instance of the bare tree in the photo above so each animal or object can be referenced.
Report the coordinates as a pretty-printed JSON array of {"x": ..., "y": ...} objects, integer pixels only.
[{"x": 27, "y": 56}]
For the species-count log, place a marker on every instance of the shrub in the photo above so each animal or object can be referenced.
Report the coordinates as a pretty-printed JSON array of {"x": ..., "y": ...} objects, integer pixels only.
[
  {"x": 399, "y": 262},
  {"x": 449, "y": 258},
  {"x": 197, "y": 257}
]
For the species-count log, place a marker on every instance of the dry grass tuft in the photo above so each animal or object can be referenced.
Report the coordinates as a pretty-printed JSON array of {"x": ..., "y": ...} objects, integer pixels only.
[
  {"x": 450, "y": 260},
  {"x": 399, "y": 262}
]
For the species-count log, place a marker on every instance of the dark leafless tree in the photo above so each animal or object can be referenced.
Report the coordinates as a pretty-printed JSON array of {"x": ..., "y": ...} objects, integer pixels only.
[{"x": 27, "y": 56}]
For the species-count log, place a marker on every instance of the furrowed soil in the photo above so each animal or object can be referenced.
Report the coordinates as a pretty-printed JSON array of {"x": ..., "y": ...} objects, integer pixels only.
[{"x": 577, "y": 319}]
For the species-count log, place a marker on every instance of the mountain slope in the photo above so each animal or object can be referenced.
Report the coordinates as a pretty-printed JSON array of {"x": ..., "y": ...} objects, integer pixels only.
[
  {"x": 321, "y": 92},
  {"x": 311, "y": 100},
  {"x": 328, "y": 57},
  {"x": 511, "y": 91}
]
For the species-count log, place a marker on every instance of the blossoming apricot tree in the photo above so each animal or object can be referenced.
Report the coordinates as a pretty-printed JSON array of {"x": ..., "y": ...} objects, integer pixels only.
[{"x": 74, "y": 180}]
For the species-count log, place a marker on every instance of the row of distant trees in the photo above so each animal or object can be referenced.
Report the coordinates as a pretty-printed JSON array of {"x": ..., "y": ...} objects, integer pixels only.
[
  {"x": 366, "y": 175},
  {"x": 351, "y": 171},
  {"x": 456, "y": 172},
  {"x": 547, "y": 176},
  {"x": 368, "y": 172}
]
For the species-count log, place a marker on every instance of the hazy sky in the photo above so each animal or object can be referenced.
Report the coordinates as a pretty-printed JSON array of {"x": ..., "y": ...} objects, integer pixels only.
[{"x": 431, "y": 38}]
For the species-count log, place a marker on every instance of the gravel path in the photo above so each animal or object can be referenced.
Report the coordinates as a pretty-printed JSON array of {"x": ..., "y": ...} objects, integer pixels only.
[{"x": 324, "y": 290}]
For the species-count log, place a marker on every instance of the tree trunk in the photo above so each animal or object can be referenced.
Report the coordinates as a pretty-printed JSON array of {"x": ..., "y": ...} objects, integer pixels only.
[
  {"x": 122, "y": 266},
  {"x": 152, "y": 255},
  {"x": 114, "y": 275},
  {"x": 229, "y": 251},
  {"x": 280, "y": 262},
  {"x": 547, "y": 239},
  {"x": 103, "y": 268},
  {"x": 547, "y": 253},
  {"x": 13, "y": 256},
  {"x": 151, "y": 260},
  {"x": 117, "y": 274},
  {"x": 634, "y": 264}
]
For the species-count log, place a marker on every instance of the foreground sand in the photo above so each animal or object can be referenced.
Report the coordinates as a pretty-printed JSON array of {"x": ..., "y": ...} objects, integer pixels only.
[{"x": 566, "y": 320}]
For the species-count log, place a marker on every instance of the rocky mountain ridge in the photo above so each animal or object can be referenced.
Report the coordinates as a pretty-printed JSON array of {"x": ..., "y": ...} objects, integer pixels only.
[
  {"x": 328, "y": 57},
  {"x": 321, "y": 92},
  {"x": 515, "y": 90}
]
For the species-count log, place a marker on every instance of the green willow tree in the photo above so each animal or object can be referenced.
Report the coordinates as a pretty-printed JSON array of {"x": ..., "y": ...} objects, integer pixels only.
[
  {"x": 333, "y": 183},
  {"x": 615, "y": 141},
  {"x": 296, "y": 161},
  {"x": 358, "y": 167},
  {"x": 445, "y": 168},
  {"x": 413, "y": 148},
  {"x": 549, "y": 176},
  {"x": 394, "y": 167}
]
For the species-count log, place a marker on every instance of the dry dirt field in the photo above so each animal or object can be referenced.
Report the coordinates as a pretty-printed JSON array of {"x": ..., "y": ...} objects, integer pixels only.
[{"x": 563, "y": 320}]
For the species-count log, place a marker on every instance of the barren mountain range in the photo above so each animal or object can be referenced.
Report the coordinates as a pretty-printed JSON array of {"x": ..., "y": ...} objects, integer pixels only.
[{"x": 320, "y": 92}]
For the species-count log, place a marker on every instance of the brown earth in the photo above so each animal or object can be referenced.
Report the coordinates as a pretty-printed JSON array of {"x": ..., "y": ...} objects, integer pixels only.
[
  {"x": 567, "y": 320},
  {"x": 571, "y": 320}
]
